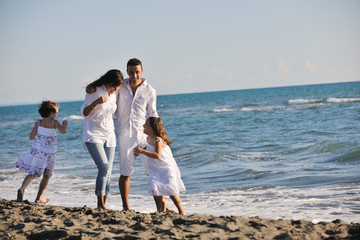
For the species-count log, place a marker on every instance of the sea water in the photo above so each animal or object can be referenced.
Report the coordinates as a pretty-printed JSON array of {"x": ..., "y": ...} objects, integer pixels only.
[{"x": 289, "y": 152}]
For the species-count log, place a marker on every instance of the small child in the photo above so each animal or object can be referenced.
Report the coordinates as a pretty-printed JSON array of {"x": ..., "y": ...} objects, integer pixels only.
[
  {"x": 40, "y": 160},
  {"x": 164, "y": 177}
]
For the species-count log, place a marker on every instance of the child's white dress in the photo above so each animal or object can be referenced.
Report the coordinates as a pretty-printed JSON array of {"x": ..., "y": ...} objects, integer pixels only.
[
  {"x": 42, "y": 154},
  {"x": 164, "y": 178}
]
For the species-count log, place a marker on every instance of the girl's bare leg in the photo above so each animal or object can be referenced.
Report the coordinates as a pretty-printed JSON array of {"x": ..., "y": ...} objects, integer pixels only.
[
  {"x": 160, "y": 202},
  {"x": 178, "y": 204},
  {"x": 21, "y": 190},
  {"x": 43, "y": 184},
  {"x": 169, "y": 210},
  {"x": 158, "y": 205}
]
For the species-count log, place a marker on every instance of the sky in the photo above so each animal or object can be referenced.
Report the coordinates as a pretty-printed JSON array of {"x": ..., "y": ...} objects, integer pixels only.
[{"x": 52, "y": 49}]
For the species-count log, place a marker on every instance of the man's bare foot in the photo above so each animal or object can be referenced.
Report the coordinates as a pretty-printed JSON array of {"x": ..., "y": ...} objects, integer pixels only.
[
  {"x": 126, "y": 206},
  {"x": 42, "y": 200},
  {"x": 20, "y": 196}
]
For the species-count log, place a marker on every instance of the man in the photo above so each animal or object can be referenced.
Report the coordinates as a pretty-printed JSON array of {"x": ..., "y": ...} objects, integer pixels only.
[{"x": 136, "y": 101}]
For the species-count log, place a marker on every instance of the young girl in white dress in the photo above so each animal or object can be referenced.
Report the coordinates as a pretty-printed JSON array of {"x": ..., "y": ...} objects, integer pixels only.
[
  {"x": 40, "y": 160},
  {"x": 164, "y": 178}
]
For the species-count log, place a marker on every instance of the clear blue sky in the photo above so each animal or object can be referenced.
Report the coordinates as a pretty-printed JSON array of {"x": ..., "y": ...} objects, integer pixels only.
[{"x": 52, "y": 49}]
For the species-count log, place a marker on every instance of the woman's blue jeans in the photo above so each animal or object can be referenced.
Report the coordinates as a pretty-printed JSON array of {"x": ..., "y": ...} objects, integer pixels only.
[{"x": 103, "y": 157}]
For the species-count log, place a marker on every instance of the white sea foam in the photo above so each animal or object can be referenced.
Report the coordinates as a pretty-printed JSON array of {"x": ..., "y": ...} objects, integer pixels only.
[
  {"x": 16, "y": 123},
  {"x": 340, "y": 100},
  {"x": 292, "y": 106},
  {"x": 302, "y": 104},
  {"x": 224, "y": 110},
  {"x": 303, "y": 101},
  {"x": 267, "y": 108},
  {"x": 74, "y": 117},
  {"x": 316, "y": 204},
  {"x": 325, "y": 203},
  {"x": 31, "y": 121}
]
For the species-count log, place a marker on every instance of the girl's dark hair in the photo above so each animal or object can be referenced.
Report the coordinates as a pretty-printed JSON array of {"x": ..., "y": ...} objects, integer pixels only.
[
  {"x": 47, "y": 107},
  {"x": 112, "y": 78},
  {"x": 158, "y": 128}
]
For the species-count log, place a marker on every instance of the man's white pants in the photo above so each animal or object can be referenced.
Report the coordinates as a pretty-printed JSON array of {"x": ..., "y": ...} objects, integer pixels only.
[{"x": 126, "y": 154}]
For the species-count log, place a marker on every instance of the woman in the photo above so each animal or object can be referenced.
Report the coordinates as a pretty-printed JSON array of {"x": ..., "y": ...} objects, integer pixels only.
[{"x": 98, "y": 131}]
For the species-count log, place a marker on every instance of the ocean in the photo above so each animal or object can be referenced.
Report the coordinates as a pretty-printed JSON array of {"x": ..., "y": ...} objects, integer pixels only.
[{"x": 280, "y": 153}]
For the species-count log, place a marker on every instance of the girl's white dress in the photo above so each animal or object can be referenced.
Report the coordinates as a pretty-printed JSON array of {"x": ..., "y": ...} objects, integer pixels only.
[
  {"x": 164, "y": 178},
  {"x": 42, "y": 154}
]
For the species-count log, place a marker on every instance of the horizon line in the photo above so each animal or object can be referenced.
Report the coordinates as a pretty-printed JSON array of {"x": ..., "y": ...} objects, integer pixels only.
[{"x": 244, "y": 89}]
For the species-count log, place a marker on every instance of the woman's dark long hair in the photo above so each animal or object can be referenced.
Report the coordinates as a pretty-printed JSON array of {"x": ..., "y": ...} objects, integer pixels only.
[{"x": 112, "y": 78}]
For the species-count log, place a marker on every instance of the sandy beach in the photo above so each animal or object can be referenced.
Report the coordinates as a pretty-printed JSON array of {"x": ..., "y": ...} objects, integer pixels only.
[{"x": 30, "y": 221}]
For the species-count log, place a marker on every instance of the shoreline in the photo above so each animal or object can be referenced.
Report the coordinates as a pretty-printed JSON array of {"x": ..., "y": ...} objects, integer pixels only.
[{"x": 22, "y": 220}]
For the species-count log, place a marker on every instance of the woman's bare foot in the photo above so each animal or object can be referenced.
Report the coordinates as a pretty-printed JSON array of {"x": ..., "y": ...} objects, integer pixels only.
[
  {"x": 20, "y": 196},
  {"x": 101, "y": 207},
  {"x": 101, "y": 202},
  {"x": 42, "y": 200}
]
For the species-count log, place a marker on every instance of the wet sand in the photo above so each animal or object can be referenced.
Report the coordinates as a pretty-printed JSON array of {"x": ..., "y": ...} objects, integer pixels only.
[{"x": 22, "y": 220}]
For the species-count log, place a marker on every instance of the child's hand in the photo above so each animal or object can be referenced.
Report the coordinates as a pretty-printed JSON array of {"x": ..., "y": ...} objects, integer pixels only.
[
  {"x": 137, "y": 151},
  {"x": 65, "y": 122}
]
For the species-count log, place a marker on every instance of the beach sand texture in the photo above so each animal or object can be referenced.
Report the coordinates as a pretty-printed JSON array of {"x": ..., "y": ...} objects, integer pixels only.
[{"x": 30, "y": 221}]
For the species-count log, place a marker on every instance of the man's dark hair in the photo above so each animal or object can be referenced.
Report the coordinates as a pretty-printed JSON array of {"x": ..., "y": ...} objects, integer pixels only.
[{"x": 134, "y": 62}]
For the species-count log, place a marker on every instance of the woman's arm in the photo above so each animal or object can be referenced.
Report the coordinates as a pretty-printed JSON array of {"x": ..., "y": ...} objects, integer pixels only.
[
  {"x": 89, "y": 109},
  {"x": 34, "y": 131},
  {"x": 61, "y": 127}
]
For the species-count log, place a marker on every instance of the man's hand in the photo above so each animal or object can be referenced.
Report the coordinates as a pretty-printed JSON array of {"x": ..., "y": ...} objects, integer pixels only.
[{"x": 90, "y": 89}]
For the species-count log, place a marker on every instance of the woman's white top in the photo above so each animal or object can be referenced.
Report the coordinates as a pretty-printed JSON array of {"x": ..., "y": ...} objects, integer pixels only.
[{"x": 99, "y": 125}]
